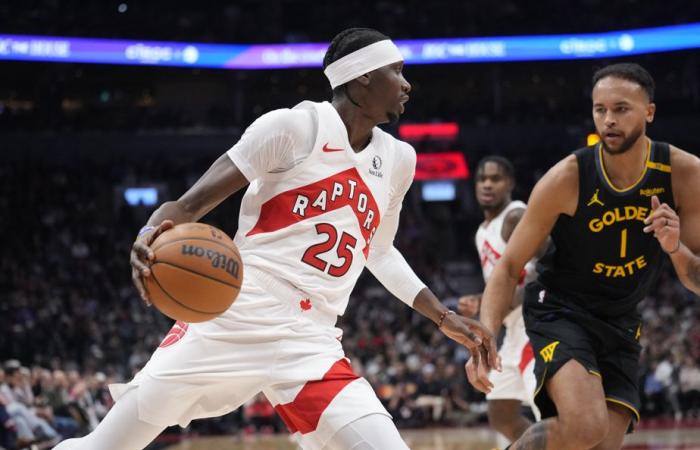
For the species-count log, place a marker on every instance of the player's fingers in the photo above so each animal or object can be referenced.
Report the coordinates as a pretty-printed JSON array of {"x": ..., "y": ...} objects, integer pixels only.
[
  {"x": 657, "y": 223},
  {"x": 484, "y": 369},
  {"x": 662, "y": 211},
  {"x": 164, "y": 226},
  {"x": 493, "y": 358},
  {"x": 142, "y": 250},
  {"x": 473, "y": 339},
  {"x": 655, "y": 203},
  {"x": 140, "y": 287},
  {"x": 139, "y": 265},
  {"x": 472, "y": 369},
  {"x": 662, "y": 222}
]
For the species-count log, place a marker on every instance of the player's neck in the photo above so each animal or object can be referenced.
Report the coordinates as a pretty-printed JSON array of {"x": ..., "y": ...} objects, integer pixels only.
[
  {"x": 624, "y": 169},
  {"x": 358, "y": 126},
  {"x": 492, "y": 213}
]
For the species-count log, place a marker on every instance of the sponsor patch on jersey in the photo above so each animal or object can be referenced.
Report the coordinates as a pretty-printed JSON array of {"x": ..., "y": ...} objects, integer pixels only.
[
  {"x": 547, "y": 353},
  {"x": 651, "y": 191},
  {"x": 376, "y": 165},
  {"x": 595, "y": 200}
]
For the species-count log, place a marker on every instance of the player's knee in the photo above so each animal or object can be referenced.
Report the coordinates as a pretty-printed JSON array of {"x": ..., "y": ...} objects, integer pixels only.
[
  {"x": 502, "y": 423},
  {"x": 506, "y": 418},
  {"x": 587, "y": 429}
]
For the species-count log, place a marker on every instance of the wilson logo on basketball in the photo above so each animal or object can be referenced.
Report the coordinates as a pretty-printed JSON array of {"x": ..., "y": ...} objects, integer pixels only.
[
  {"x": 175, "y": 334},
  {"x": 218, "y": 260}
]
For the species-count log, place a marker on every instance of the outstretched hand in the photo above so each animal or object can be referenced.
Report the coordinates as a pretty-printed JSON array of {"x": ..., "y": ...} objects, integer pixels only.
[
  {"x": 665, "y": 224},
  {"x": 476, "y": 337},
  {"x": 142, "y": 256}
]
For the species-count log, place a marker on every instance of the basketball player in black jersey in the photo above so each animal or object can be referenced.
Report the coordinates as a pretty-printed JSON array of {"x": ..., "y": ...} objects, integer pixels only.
[{"x": 613, "y": 210}]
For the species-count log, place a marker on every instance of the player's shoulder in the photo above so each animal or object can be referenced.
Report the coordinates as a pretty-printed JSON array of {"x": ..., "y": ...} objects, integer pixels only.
[
  {"x": 404, "y": 150},
  {"x": 685, "y": 170},
  {"x": 515, "y": 212},
  {"x": 559, "y": 186},
  {"x": 684, "y": 163},
  {"x": 302, "y": 117},
  {"x": 564, "y": 173}
]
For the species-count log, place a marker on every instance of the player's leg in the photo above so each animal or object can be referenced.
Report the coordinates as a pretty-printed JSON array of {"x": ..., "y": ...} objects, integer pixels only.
[
  {"x": 510, "y": 391},
  {"x": 371, "y": 432},
  {"x": 317, "y": 394},
  {"x": 582, "y": 420},
  {"x": 620, "y": 418},
  {"x": 619, "y": 369},
  {"x": 505, "y": 416},
  {"x": 121, "y": 429}
]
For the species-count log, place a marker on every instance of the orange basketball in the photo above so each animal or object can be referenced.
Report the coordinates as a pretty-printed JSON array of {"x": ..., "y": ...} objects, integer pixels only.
[{"x": 196, "y": 273}]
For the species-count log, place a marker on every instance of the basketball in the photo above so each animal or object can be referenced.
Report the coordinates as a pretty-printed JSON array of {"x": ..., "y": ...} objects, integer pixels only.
[{"x": 196, "y": 273}]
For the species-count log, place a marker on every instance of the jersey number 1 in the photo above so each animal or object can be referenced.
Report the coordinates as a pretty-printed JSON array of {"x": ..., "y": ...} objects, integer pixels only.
[
  {"x": 344, "y": 250},
  {"x": 623, "y": 243}
]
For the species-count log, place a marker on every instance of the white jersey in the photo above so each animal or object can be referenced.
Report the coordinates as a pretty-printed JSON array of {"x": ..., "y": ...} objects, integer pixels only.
[
  {"x": 490, "y": 244},
  {"x": 517, "y": 380},
  {"x": 310, "y": 219}
]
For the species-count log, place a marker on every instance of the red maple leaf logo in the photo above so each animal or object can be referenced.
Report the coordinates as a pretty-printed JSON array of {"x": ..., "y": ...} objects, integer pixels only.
[{"x": 305, "y": 304}]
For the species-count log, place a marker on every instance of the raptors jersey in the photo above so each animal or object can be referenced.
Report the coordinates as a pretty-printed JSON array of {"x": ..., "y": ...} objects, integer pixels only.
[
  {"x": 312, "y": 225},
  {"x": 490, "y": 244}
]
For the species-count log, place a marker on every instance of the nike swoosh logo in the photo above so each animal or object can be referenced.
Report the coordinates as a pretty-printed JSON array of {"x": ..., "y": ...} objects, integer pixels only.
[{"x": 327, "y": 149}]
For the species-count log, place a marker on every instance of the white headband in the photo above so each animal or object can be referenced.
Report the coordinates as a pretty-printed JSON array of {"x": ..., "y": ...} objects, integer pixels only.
[{"x": 362, "y": 61}]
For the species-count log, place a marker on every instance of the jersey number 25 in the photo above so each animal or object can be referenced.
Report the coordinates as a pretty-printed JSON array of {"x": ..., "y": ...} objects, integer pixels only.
[{"x": 344, "y": 250}]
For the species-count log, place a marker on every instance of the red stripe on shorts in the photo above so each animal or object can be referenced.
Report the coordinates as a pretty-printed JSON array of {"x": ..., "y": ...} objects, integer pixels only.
[
  {"x": 303, "y": 413},
  {"x": 526, "y": 356}
]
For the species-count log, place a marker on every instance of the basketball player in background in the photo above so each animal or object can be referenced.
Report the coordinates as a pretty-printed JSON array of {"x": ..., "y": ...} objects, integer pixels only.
[
  {"x": 515, "y": 384},
  {"x": 326, "y": 187},
  {"x": 613, "y": 210}
]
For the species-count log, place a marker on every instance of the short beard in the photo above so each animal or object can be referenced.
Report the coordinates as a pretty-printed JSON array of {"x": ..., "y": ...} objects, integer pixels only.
[
  {"x": 392, "y": 117},
  {"x": 626, "y": 144}
]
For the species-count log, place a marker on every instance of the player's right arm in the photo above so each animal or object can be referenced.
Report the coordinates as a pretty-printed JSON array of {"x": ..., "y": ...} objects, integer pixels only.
[
  {"x": 556, "y": 193},
  {"x": 221, "y": 180},
  {"x": 273, "y": 143}
]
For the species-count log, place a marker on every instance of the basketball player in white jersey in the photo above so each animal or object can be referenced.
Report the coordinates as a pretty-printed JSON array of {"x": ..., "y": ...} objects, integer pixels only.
[
  {"x": 516, "y": 384},
  {"x": 326, "y": 187}
]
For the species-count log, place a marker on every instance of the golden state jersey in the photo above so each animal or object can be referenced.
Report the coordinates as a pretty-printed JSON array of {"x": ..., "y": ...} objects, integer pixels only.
[{"x": 601, "y": 258}]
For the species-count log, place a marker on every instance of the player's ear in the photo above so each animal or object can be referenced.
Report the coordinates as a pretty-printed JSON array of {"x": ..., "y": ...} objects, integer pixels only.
[
  {"x": 651, "y": 110},
  {"x": 363, "y": 79}
]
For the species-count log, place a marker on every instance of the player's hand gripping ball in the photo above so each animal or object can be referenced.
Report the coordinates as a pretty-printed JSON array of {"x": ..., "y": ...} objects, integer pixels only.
[{"x": 196, "y": 272}]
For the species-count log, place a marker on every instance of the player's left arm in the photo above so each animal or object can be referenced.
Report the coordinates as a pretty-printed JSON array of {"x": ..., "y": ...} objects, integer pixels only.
[
  {"x": 391, "y": 269},
  {"x": 509, "y": 224},
  {"x": 678, "y": 231}
]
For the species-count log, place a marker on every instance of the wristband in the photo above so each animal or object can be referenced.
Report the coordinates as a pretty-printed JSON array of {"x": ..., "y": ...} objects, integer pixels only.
[
  {"x": 145, "y": 230},
  {"x": 443, "y": 315}
]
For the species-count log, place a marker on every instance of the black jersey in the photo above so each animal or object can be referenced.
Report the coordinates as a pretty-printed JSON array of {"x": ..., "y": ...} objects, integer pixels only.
[{"x": 601, "y": 258}]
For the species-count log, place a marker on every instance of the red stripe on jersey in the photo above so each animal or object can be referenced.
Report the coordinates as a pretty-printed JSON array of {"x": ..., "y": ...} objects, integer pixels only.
[
  {"x": 525, "y": 357},
  {"x": 345, "y": 188},
  {"x": 304, "y": 412},
  {"x": 176, "y": 333},
  {"x": 490, "y": 255}
]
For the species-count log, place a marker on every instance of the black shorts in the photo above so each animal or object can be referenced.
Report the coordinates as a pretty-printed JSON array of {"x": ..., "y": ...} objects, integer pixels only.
[{"x": 560, "y": 331}]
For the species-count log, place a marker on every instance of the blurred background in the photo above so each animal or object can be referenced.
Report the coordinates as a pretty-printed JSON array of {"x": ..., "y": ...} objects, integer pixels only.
[{"x": 89, "y": 150}]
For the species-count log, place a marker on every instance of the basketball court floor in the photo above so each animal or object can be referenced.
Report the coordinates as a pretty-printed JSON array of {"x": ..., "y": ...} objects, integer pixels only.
[{"x": 448, "y": 439}]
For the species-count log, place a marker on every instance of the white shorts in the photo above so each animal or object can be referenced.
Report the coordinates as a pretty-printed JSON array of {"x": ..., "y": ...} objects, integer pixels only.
[
  {"x": 265, "y": 342},
  {"x": 517, "y": 380}
]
